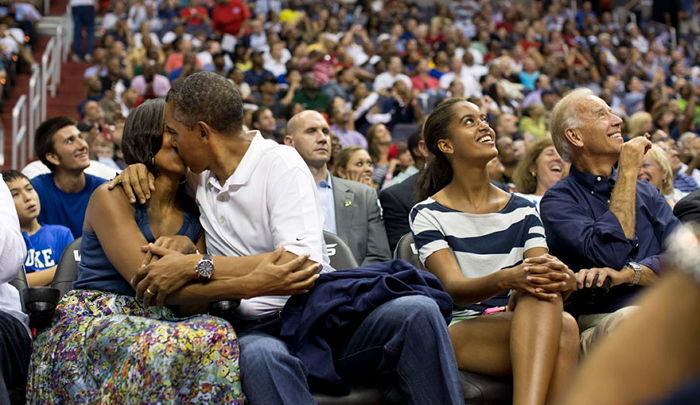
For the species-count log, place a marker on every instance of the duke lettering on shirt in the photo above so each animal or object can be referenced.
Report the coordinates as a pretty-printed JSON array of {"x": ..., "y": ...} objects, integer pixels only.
[{"x": 40, "y": 258}]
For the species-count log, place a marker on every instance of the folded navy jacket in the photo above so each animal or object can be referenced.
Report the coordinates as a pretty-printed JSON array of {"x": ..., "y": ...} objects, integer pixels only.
[{"x": 315, "y": 323}]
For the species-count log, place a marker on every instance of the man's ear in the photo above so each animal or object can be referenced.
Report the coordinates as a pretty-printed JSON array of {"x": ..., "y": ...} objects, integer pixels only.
[
  {"x": 288, "y": 140},
  {"x": 53, "y": 159},
  {"x": 573, "y": 137},
  {"x": 205, "y": 131}
]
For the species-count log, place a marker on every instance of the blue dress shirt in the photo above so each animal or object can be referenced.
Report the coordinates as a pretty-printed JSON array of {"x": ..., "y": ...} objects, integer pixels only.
[
  {"x": 583, "y": 233},
  {"x": 685, "y": 182},
  {"x": 327, "y": 203}
]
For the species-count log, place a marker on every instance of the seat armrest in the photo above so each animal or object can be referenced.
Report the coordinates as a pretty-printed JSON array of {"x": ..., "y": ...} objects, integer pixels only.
[
  {"x": 40, "y": 304},
  {"x": 225, "y": 309}
]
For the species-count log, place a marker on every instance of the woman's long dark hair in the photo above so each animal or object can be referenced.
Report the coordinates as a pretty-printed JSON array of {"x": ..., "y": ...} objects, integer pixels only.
[
  {"x": 143, "y": 138},
  {"x": 438, "y": 173},
  {"x": 143, "y": 133}
]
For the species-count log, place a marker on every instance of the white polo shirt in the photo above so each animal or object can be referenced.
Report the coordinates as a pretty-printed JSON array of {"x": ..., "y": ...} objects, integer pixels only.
[{"x": 269, "y": 200}]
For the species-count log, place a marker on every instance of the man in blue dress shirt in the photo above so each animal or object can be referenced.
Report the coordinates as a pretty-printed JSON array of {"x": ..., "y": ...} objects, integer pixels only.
[{"x": 600, "y": 220}]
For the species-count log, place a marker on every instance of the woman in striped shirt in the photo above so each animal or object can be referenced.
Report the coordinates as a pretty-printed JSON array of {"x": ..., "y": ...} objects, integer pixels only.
[{"x": 488, "y": 248}]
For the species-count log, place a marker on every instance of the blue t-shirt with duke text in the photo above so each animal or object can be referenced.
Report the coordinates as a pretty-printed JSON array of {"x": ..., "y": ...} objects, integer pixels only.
[{"x": 44, "y": 248}]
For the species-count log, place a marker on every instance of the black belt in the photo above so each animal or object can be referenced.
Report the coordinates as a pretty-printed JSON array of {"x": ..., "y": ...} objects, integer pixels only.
[{"x": 269, "y": 324}]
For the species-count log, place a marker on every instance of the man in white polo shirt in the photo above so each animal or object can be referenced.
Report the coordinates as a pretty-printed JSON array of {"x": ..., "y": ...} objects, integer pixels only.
[
  {"x": 255, "y": 195},
  {"x": 15, "y": 341}
]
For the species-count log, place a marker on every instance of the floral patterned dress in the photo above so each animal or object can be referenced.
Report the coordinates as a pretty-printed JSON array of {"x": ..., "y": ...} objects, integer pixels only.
[{"x": 105, "y": 347}]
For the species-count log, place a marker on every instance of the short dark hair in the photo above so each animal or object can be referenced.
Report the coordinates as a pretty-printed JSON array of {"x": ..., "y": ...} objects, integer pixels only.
[
  {"x": 257, "y": 113},
  {"x": 12, "y": 175},
  {"x": 143, "y": 133},
  {"x": 412, "y": 144},
  {"x": 43, "y": 137},
  {"x": 207, "y": 97}
]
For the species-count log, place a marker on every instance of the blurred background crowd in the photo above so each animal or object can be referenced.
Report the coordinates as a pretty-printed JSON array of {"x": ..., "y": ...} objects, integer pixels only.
[{"x": 374, "y": 69}]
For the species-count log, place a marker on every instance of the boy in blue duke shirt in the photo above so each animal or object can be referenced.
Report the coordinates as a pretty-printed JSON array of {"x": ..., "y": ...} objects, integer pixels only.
[{"x": 45, "y": 244}]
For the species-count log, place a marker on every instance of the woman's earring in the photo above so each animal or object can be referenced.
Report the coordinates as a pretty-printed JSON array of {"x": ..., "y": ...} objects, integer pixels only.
[{"x": 533, "y": 174}]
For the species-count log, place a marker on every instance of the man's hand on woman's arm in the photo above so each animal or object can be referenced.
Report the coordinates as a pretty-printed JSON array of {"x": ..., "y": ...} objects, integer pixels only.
[{"x": 136, "y": 181}]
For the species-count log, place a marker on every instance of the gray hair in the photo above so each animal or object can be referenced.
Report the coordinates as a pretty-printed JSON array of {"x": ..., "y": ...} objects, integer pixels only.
[
  {"x": 210, "y": 98},
  {"x": 686, "y": 138},
  {"x": 565, "y": 116}
]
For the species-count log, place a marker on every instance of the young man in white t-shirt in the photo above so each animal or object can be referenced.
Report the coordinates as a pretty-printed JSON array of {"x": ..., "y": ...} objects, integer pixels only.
[{"x": 255, "y": 195}]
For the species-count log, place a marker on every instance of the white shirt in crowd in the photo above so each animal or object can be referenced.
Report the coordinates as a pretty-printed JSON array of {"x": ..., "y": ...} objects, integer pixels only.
[
  {"x": 641, "y": 44},
  {"x": 138, "y": 39},
  {"x": 170, "y": 36},
  {"x": 277, "y": 67},
  {"x": 9, "y": 44},
  {"x": 475, "y": 71},
  {"x": 137, "y": 15},
  {"x": 109, "y": 21},
  {"x": 258, "y": 42},
  {"x": 75, "y": 3},
  {"x": 386, "y": 80},
  {"x": 269, "y": 201},
  {"x": 472, "y": 88},
  {"x": 96, "y": 168},
  {"x": 207, "y": 60},
  {"x": 357, "y": 53},
  {"x": 695, "y": 174},
  {"x": 12, "y": 253}
]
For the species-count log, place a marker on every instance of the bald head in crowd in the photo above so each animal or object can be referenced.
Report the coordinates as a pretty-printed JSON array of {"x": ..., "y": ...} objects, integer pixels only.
[{"x": 309, "y": 134}]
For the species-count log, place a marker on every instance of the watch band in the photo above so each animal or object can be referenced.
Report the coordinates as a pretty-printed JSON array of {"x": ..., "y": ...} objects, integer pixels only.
[{"x": 637, "y": 272}]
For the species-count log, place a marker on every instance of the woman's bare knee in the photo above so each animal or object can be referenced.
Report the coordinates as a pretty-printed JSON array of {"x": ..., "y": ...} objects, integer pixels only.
[{"x": 569, "y": 340}]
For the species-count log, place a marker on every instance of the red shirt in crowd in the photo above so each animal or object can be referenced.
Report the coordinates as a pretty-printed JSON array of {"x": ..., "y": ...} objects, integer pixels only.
[
  {"x": 526, "y": 45},
  {"x": 228, "y": 18},
  {"x": 423, "y": 84},
  {"x": 188, "y": 12}
]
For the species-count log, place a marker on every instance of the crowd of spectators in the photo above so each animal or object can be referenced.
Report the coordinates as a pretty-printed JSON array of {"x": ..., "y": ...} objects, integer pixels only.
[
  {"x": 358, "y": 89},
  {"x": 17, "y": 36},
  {"x": 374, "y": 70}
]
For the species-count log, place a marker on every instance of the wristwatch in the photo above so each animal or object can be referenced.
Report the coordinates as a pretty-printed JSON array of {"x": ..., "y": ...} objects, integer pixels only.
[
  {"x": 204, "y": 267},
  {"x": 637, "y": 272}
]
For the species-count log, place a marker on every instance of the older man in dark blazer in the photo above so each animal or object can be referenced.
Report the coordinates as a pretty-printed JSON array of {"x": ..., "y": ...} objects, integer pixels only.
[
  {"x": 350, "y": 209},
  {"x": 397, "y": 202}
]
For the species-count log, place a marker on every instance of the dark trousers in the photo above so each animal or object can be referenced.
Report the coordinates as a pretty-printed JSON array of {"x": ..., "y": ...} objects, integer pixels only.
[
  {"x": 15, "y": 349},
  {"x": 83, "y": 18}
]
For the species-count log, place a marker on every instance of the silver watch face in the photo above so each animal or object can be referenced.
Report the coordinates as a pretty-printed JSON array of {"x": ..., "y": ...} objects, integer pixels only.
[{"x": 205, "y": 268}]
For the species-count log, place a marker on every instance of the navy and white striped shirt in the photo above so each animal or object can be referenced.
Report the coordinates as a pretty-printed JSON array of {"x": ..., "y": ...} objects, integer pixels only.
[{"x": 481, "y": 243}]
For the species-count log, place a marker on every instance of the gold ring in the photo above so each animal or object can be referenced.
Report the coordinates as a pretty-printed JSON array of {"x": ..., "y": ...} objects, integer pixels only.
[{"x": 149, "y": 292}]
